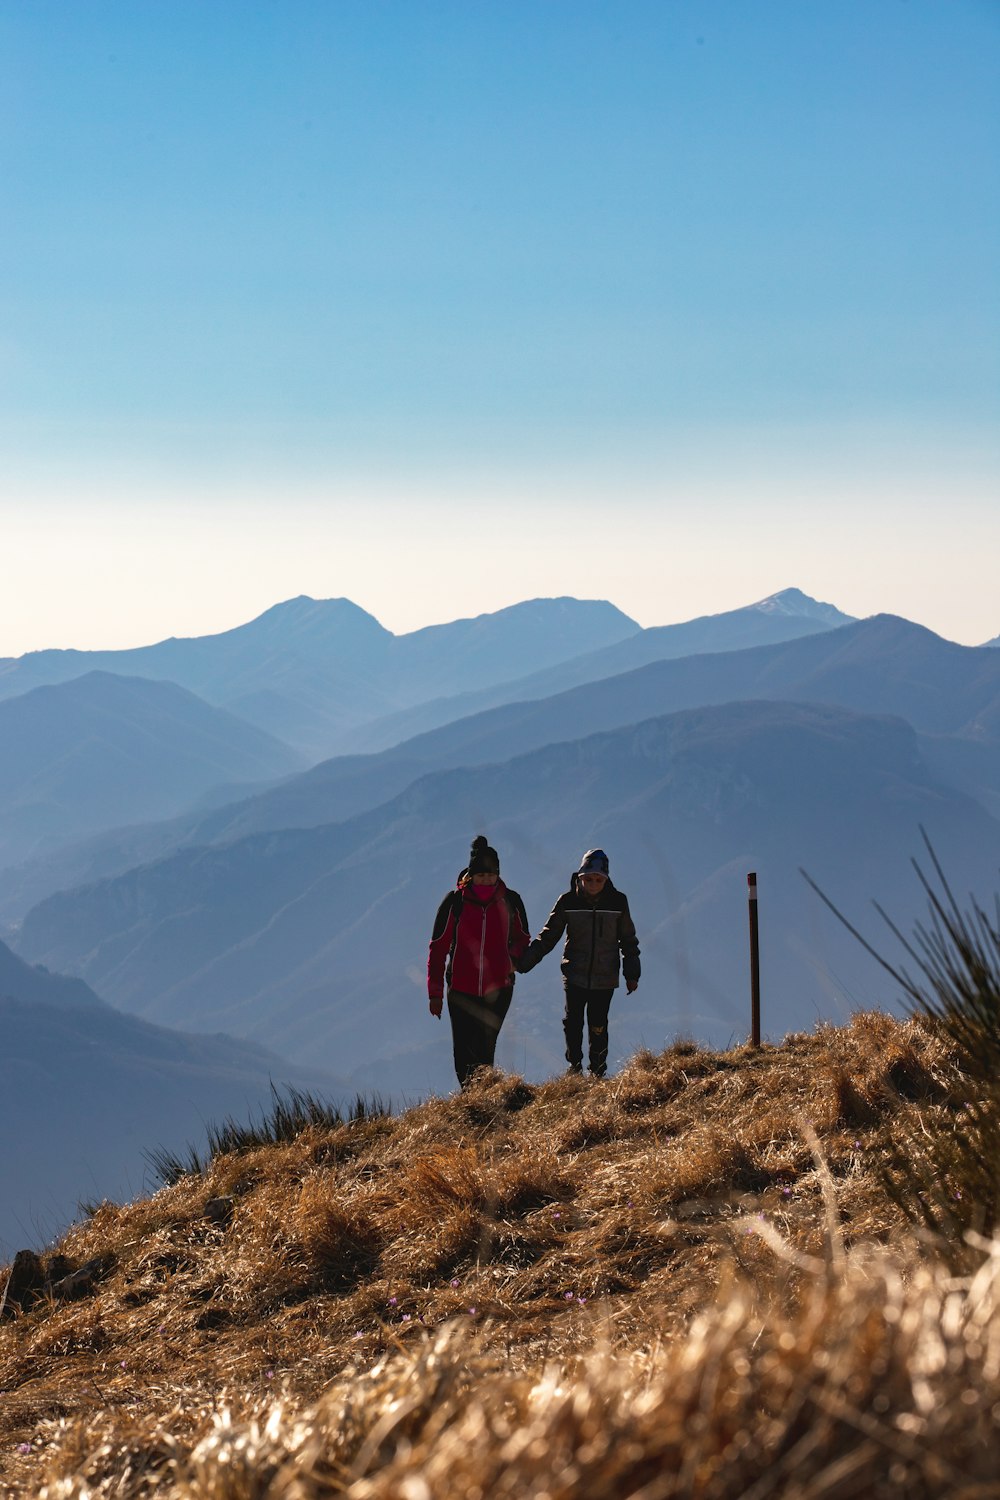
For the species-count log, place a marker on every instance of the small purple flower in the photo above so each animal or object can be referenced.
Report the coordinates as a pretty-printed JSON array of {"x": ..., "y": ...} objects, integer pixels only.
[
  {"x": 557, "y": 1216},
  {"x": 455, "y": 1281},
  {"x": 406, "y": 1317},
  {"x": 124, "y": 1366},
  {"x": 568, "y": 1296},
  {"x": 358, "y": 1335},
  {"x": 472, "y": 1312},
  {"x": 393, "y": 1301},
  {"x": 268, "y": 1374},
  {"x": 857, "y": 1145},
  {"x": 582, "y": 1301},
  {"x": 630, "y": 1204},
  {"x": 24, "y": 1447},
  {"x": 786, "y": 1192}
]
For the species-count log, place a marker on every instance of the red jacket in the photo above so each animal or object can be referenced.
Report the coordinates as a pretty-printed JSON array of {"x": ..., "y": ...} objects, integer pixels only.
[{"x": 474, "y": 943}]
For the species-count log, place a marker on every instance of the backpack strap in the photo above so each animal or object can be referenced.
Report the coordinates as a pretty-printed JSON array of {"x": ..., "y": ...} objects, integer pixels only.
[{"x": 456, "y": 911}]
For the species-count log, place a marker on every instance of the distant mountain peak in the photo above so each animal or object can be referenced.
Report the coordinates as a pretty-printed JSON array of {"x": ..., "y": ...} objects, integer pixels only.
[
  {"x": 795, "y": 602},
  {"x": 303, "y": 604},
  {"x": 316, "y": 612}
]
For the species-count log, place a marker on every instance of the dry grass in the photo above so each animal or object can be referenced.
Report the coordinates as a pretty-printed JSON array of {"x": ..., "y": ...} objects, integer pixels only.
[{"x": 627, "y": 1288}]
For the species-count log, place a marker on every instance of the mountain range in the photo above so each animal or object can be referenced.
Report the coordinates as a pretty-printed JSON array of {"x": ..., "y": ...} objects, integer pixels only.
[
  {"x": 307, "y": 670},
  {"x": 85, "y": 1091},
  {"x": 950, "y": 693},
  {"x": 40, "y": 845},
  {"x": 780, "y": 617}
]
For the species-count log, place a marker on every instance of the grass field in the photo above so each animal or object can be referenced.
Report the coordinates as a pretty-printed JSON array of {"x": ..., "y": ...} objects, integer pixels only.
[{"x": 706, "y": 1276}]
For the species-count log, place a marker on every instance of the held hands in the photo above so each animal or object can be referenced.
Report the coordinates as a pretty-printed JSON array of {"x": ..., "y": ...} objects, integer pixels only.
[
  {"x": 631, "y": 985},
  {"x": 435, "y": 1007}
]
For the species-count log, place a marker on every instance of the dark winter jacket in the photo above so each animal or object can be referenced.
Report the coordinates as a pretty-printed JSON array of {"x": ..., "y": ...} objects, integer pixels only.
[
  {"x": 474, "y": 943},
  {"x": 597, "y": 929}
]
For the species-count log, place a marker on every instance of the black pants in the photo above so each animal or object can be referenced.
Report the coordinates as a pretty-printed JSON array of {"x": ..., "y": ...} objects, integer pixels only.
[
  {"x": 475, "y": 1026},
  {"x": 594, "y": 1004}
]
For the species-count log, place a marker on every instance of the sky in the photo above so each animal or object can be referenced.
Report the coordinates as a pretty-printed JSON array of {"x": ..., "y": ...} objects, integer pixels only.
[{"x": 439, "y": 306}]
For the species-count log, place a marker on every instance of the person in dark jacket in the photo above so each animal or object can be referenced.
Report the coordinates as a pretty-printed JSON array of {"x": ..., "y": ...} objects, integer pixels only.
[
  {"x": 480, "y": 930},
  {"x": 598, "y": 927}
]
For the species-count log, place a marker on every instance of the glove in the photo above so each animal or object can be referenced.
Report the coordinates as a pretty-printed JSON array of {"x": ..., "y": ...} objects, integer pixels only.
[
  {"x": 435, "y": 1007},
  {"x": 631, "y": 985}
]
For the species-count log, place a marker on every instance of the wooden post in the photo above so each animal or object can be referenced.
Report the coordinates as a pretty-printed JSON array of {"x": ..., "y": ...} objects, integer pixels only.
[{"x": 754, "y": 961}]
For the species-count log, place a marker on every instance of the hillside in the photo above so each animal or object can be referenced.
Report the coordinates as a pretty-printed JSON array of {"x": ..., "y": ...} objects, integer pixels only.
[
  {"x": 313, "y": 941},
  {"x": 36, "y": 986},
  {"x": 101, "y": 751},
  {"x": 687, "y": 1280}
]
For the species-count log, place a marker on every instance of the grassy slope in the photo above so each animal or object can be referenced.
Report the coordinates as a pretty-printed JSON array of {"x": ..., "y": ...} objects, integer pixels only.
[{"x": 572, "y": 1289}]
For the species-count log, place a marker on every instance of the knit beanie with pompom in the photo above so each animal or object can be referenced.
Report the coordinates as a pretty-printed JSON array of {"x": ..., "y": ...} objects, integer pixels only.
[{"x": 482, "y": 859}]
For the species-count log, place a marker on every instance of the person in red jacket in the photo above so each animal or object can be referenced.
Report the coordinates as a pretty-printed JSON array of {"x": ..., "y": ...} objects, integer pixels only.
[{"x": 480, "y": 930}]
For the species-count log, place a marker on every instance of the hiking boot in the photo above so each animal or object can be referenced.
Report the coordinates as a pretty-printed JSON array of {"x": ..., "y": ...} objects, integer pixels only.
[{"x": 575, "y": 1070}]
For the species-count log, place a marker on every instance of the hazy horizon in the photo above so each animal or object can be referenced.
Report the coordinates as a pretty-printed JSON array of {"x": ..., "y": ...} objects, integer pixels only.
[{"x": 231, "y": 624}]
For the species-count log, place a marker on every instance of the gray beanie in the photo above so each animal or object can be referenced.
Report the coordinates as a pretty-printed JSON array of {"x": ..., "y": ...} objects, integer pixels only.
[{"x": 594, "y": 862}]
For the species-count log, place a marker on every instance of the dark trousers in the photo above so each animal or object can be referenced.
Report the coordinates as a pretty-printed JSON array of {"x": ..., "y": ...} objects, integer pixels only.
[
  {"x": 594, "y": 1005},
  {"x": 475, "y": 1026}
]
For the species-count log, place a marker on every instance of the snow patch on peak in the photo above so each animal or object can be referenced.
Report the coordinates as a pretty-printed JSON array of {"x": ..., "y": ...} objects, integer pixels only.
[{"x": 795, "y": 602}]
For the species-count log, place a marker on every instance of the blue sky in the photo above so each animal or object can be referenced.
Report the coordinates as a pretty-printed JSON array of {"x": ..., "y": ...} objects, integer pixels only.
[{"x": 440, "y": 306}]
